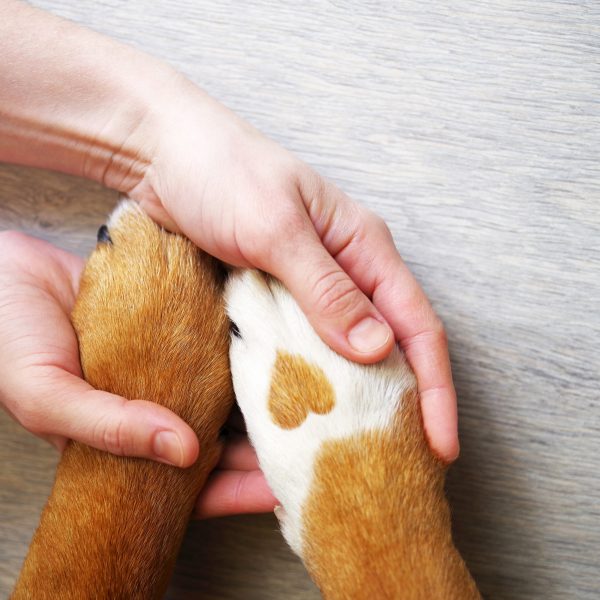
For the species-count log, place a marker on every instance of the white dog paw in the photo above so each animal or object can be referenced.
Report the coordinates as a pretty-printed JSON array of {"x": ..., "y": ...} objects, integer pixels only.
[{"x": 296, "y": 393}]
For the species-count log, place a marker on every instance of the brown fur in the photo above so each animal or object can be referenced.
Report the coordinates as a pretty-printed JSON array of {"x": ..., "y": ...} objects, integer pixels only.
[
  {"x": 377, "y": 524},
  {"x": 151, "y": 325},
  {"x": 297, "y": 388}
]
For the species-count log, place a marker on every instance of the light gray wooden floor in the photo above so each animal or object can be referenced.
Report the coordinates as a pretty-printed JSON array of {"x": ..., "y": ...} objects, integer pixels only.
[{"x": 474, "y": 129}]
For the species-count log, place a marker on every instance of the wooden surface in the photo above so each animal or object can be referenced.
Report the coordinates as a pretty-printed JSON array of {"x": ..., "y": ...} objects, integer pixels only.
[{"x": 474, "y": 129}]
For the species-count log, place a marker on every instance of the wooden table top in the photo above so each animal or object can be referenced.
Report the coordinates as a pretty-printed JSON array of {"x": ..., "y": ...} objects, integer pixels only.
[{"x": 473, "y": 128}]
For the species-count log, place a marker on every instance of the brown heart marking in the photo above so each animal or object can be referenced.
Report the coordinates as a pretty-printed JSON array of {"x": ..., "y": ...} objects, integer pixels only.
[{"x": 297, "y": 388}]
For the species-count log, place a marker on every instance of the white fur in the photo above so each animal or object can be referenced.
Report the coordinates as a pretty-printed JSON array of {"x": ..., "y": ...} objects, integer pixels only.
[
  {"x": 124, "y": 206},
  {"x": 366, "y": 397}
]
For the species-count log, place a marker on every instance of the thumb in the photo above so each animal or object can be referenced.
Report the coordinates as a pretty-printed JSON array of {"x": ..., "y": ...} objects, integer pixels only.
[
  {"x": 73, "y": 409},
  {"x": 338, "y": 310}
]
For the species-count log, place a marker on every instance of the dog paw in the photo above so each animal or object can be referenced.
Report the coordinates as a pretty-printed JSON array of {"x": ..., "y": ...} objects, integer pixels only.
[
  {"x": 149, "y": 314},
  {"x": 296, "y": 393}
]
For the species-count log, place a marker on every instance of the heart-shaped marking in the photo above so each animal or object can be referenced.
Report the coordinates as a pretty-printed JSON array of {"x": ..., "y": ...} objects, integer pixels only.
[{"x": 297, "y": 388}]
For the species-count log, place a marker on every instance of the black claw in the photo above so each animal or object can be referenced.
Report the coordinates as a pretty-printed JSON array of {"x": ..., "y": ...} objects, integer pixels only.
[{"x": 103, "y": 235}]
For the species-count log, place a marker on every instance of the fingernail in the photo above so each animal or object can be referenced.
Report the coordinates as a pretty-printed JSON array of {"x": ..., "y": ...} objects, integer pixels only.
[
  {"x": 167, "y": 447},
  {"x": 368, "y": 335}
]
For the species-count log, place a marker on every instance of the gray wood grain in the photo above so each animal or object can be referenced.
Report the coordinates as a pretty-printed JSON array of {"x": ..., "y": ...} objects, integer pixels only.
[{"x": 474, "y": 129}]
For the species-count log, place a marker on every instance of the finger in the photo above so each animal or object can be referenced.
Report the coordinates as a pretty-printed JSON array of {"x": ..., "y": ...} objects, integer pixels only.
[
  {"x": 50, "y": 266},
  {"x": 234, "y": 493},
  {"x": 340, "y": 313},
  {"x": 238, "y": 454},
  {"x": 73, "y": 409},
  {"x": 365, "y": 249},
  {"x": 422, "y": 337},
  {"x": 72, "y": 267},
  {"x": 427, "y": 352}
]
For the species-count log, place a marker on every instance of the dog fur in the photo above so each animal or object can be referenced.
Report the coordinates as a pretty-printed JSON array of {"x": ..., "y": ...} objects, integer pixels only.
[{"x": 341, "y": 444}]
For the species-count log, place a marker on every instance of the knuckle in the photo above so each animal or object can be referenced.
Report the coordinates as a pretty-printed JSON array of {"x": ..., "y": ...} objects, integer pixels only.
[
  {"x": 378, "y": 225},
  {"x": 433, "y": 335},
  {"x": 111, "y": 436},
  {"x": 311, "y": 185},
  {"x": 336, "y": 294},
  {"x": 437, "y": 333},
  {"x": 440, "y": 331},
  {"x": 237, "y": 495}
]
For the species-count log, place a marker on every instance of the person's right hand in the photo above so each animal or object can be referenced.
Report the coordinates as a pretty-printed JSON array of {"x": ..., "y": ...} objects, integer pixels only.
[
  {"x": 251, "y": 203},
  {"x": 81, "y": 103},
  {"x": 41, "y": 383}
]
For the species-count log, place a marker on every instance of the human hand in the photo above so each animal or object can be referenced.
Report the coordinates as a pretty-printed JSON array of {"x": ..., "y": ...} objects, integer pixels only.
[
  {"x": 79, "y": 102},
  {"x": 41, "y": 383},
  {"x": 246, "y": 200}
]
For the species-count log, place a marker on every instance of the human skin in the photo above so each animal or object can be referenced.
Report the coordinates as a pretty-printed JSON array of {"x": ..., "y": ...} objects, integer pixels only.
[{"x": 80, "y": 103}]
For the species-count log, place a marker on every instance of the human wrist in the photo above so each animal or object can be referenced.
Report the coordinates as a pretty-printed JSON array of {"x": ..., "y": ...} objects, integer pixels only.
[
  {"x": 128, "y": 144},
  {"x": 184, "y": 128},
  {"x": 75, "y": 101}
]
